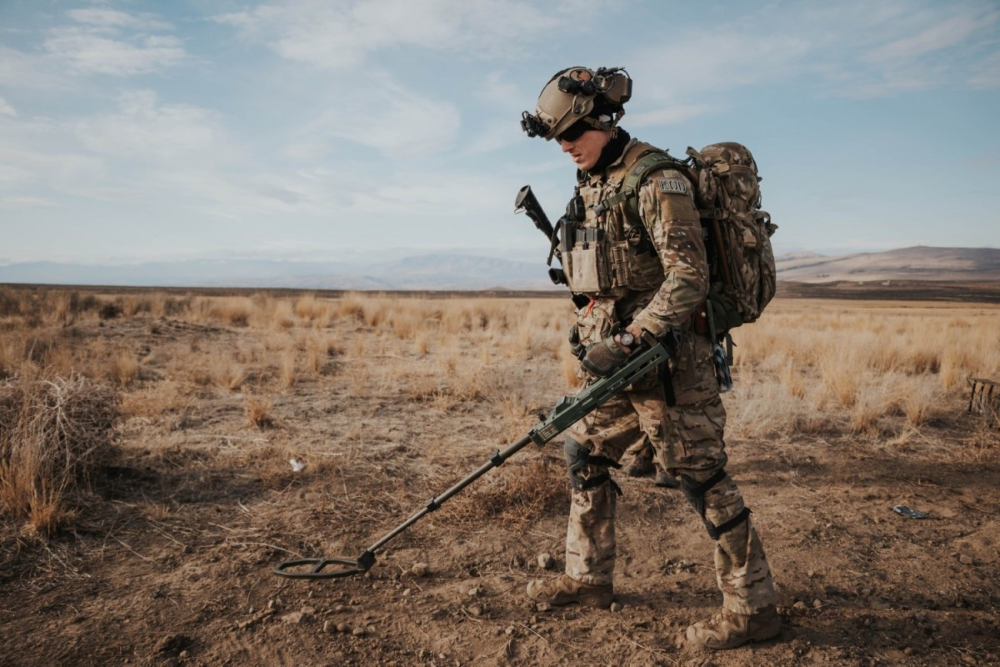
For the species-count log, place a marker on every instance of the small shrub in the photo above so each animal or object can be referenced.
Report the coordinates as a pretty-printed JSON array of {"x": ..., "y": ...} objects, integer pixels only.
[
  {"x": 288, "y": 370},
  {"x": 226, "y": 373},
  {"x": 258, "y": 412},
  {"x": 123, "y": 368},
  {"x": 110, "y": 311},
  {"x": 312, "y": 309},
  {"x": 10, "y": 303},
  {"x": 54, "y": 435}
]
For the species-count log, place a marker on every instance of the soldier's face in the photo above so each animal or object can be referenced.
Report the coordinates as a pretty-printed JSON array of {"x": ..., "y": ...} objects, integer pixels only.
[{"x": 586, "y": 149}]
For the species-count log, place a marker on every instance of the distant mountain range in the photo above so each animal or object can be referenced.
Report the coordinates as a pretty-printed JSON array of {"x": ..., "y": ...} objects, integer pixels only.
[
  {"x": 916, "y": 263},
  {"x": 469, "y": 272},
  {"x": 423, "y": 272}
]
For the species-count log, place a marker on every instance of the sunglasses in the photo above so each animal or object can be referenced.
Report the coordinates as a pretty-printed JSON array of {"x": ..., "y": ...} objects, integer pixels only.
[{"x": 573, "y": 132}]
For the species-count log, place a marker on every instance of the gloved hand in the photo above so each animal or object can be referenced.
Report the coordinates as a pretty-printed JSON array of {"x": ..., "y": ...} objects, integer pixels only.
[
  {"x": 574, "y": 342},
  {"x": 604, "y": 358}
]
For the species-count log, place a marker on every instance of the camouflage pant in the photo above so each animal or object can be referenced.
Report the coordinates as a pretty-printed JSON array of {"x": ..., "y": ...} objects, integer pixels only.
[{"x": 688, "y": 441}]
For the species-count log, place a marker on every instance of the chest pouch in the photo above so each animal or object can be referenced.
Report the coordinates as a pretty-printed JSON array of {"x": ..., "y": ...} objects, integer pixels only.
[
  {"x": 586, "y": 266},
  {"x": 588, "y": 273}
]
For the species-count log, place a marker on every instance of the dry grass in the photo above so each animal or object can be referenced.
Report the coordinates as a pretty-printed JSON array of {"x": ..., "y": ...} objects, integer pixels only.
[
  {"x": 234, "y": 311},
  {"x": 875, "y": 371},
  {"x": 258, "y": 412},
  {"x": 54, "y": 435},
  {"x": 288, "y": 370},
  {"x": 312, "y": 309},
  {"x": 123, "y": 367},
  {"x": 515, "y": 494},
  {"x": 154, "y": 401}
]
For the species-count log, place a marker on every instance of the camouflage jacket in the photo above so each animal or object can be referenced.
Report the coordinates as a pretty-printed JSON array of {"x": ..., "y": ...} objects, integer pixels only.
[{"x": 654, "y": 269}]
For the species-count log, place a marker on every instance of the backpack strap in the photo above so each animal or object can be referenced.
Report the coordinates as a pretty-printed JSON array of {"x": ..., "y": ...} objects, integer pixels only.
[{"x": 629, "y": 194}]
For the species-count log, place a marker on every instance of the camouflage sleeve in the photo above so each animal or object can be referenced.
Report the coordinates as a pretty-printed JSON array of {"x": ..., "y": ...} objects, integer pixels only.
[{"x": 666, "y": 206}]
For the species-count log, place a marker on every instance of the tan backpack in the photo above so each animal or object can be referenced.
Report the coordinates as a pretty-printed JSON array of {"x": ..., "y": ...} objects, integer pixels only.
[{"x": 737, "y": 232}]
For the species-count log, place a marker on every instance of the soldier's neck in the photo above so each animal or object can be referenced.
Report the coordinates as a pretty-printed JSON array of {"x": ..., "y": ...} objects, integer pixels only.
[{"x": 611, "y": 152}]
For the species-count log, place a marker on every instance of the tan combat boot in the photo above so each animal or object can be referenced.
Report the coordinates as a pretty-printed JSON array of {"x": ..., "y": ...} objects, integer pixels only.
[
  {"x": 641, "y": 465},
  {"x": 665, "y": 480},
  {"x": 565, "y": 590},
  {"x": 727, "y": 630}
]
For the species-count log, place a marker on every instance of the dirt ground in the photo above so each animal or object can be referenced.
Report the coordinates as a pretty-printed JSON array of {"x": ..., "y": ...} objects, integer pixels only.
[{"x": 171, "y": 564}]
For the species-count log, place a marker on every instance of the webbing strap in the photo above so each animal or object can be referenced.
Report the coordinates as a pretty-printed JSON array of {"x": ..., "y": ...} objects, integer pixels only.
[
  {"x": 711, "y": 321},
  {"x": 603, "y": 462},
  {"x": 615, "y": 200},
  {"x": 696, "y": 494},
  {"x": 715, "y": 532},
  {"x": 603, "y": 478},
  {"x": 645, "y": 164},
  {"x": 702, "y": 488}
]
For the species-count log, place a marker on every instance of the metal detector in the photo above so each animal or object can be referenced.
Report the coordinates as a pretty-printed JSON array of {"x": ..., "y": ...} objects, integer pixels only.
[{"x": 568, "y": 411}]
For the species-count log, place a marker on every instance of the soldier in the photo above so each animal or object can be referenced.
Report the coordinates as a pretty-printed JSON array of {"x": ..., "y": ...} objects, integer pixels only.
[{"x": 640, "y": 259}]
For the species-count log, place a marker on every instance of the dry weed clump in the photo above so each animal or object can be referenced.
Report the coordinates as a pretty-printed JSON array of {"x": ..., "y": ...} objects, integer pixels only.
[
  {"x": 123, "y": 367},
  {"x": 312, "y": 309},
  {"x": 350, "y": 307},
  {"x": 288, "y": 370},
  {"x": 209, "y": 370},
  {"x": 983, "y": 445},
  {"x": 37, "y": 306},
  {"x": 516, "y": 493},
  {"x": 54, "y": 435},
  {"x": 154, "y": 400},
  {"x": 919, "y": 401},
  {"x": 765, "y": 410},
  {"x": 875, "y": 400},
  {"x": 10, "y": 302},
  {"x": 234, "y": 311},
  {"x": 258, "y": 412}
]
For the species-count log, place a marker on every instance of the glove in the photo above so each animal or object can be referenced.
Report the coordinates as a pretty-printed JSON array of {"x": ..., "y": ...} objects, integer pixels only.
[
  {"x": 604, "y": 358},
  {"x": 574, "y": 342}
]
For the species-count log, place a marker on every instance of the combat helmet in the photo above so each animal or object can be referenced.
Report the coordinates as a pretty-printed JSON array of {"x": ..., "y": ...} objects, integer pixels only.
[{"x": 578, "y": 94}]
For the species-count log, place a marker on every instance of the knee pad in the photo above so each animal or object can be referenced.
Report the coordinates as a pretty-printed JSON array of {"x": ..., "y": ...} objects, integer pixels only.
[
  {"x": 695, "y": 494},
  {"x": 578, "y": 457}
]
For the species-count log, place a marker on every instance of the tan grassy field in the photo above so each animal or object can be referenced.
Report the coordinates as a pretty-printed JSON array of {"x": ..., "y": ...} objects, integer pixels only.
[{"x": 147, "y": 489}]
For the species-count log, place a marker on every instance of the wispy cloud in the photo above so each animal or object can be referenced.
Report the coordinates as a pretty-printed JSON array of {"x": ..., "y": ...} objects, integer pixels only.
[
  {"x": 180, "y": 157},
  {"x": 28, "y": 71},
  {"x": 943, "y": 35},
  {"x": 123, "y": 155},
  {"x": 41, "y": 154},
  {"x": 18, "y": 203},
  {"x": 853, "y": 49},
  {"x": 104, "y": 17},
  {"x": 6, "y": 109},
  {"x": 114, "y": 43},
  {"x": 721, "y": 59},
  {"x": 670, "y": 115},
  {"x": 392, "y": 119},
  {"x": 143, "y": 130},
  {"x": 494, "y": 136},
  {"x": 340, "y": 34},
  {"x": 985, "y": 73}
]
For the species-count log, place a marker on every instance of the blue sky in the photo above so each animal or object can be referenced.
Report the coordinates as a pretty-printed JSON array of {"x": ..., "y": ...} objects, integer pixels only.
[{"x": 316, "y": 129}]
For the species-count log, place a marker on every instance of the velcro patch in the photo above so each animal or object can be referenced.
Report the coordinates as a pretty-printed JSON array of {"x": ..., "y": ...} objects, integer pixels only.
[{"x": 673, "y": 186}]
